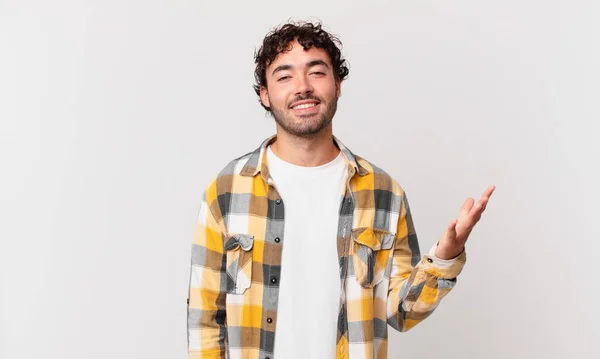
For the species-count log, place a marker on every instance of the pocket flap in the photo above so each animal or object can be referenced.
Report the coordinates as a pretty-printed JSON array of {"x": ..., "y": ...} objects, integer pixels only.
[
  {"x": 244, "y": 241},
  {"x": 373, "y": 238},
  {"x": 239, "y": 262}
]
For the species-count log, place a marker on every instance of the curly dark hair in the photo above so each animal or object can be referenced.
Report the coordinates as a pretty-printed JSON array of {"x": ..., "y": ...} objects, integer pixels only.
[{"x": 308, "y": 34}]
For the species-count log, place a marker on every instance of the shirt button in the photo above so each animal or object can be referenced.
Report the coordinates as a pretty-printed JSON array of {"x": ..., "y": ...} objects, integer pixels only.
[
  {"x": 277, "y": 240},
  {"x": 273, "y": 280},
  {"x": 269, "y": 320},
  {"x": 429, "y": 260},
  {"x": 278, "y": 201}
]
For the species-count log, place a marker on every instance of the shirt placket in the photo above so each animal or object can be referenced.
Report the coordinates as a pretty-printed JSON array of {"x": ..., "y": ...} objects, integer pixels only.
[{"x": 347, "y": 206}]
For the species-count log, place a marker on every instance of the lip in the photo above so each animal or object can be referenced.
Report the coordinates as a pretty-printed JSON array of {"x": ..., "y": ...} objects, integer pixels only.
[
  {"x": 311, "y": 111},
  {"x": 298, "y": 103}
]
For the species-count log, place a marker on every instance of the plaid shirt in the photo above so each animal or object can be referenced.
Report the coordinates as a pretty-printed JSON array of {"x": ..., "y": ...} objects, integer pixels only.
[{"x": 236, "y": 262}]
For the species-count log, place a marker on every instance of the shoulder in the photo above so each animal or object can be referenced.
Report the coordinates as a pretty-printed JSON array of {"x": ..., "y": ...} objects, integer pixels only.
[
  {"x": 377, "y": 178},
  {"x": 222, "y": 183}
]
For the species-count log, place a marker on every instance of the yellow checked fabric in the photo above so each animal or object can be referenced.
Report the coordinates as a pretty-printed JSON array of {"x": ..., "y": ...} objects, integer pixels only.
[{"x": 236, "y": 262}]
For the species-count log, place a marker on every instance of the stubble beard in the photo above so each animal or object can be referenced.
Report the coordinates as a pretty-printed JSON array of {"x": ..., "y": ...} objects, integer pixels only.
[{"x": 308, "y": 126}]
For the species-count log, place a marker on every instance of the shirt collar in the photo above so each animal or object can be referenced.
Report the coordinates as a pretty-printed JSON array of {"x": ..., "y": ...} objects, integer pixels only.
[{"x": 257, "y": 163}]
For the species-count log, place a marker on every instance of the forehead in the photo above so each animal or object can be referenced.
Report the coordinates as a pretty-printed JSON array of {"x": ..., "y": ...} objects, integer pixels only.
[{"x": 297, "y": 56}]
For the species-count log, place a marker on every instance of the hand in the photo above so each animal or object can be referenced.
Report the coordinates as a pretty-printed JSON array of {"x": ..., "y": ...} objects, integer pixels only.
[{"x": 453, "y": 241}]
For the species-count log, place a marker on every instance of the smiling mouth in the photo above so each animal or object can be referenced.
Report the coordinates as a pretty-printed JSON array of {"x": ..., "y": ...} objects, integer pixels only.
[{"x": 304, "y": 106}]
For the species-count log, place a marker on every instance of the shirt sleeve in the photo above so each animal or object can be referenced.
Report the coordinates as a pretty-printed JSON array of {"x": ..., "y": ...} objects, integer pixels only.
[
  {"x": 438, "y": 262},
  {"x": 207, "y": 289},
  {"x": 417, "y": 285}
]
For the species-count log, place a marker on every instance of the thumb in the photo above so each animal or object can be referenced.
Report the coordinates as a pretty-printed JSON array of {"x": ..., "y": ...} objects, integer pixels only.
[{"x": 452, "y": 230}]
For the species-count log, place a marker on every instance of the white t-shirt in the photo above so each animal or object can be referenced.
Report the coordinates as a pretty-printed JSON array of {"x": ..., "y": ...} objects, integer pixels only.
[{"x": 309, "y": 286}]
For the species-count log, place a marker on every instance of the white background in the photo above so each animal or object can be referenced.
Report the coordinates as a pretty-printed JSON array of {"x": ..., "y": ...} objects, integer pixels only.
[{"x": 116, "y": 114}]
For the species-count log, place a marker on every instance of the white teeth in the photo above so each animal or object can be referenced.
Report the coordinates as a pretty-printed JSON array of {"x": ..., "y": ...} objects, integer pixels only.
[{"x": 306, "y": 105}]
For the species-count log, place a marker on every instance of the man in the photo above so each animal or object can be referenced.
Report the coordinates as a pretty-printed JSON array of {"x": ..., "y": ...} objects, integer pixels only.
[{"x": 302, "y": 248}]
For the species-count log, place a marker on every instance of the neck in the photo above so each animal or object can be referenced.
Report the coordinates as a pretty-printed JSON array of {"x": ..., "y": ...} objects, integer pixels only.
[{"x": 314, "y": 151}]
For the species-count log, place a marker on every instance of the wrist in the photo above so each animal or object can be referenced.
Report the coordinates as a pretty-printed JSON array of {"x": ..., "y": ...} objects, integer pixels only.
[{"x": 445, "y": 253}]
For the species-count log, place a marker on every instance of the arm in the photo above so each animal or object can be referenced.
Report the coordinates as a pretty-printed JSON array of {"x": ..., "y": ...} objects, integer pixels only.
[
  {"x": 206, "y": 301},
  {"x": 417, "y": 285}
]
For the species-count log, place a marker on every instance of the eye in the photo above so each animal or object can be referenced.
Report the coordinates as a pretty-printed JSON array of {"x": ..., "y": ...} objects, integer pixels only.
[
  {"x": 319, "y": 73},
  {"x": 282, "y": 78}
]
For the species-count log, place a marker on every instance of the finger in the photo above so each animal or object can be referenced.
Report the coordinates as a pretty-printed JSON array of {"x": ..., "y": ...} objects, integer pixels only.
[
  {"x": 467, "y": 206},
  {"x": 475, "y": 210},
  {"x": 485, "y": 201},
  {"x": 488, "y": 192},
  {"x": 479, "y": 207}
]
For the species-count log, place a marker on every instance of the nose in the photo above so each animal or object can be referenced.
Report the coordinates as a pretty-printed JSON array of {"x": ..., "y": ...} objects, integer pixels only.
[{"x": 303, "y": 85}]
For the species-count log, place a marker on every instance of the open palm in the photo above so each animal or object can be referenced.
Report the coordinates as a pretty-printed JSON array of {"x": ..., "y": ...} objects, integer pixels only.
[{"x": 454, "y": 239}]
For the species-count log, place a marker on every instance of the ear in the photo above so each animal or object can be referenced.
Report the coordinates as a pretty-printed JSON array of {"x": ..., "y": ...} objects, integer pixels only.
[
  {"x": 264, "y": 97},
  {"x": 338, "y": 88}
]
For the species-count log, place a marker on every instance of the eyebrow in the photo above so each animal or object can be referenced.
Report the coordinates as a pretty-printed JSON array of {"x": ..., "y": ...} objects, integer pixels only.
[
  {"x": 309, "y": 64},
  {"x": 317, "y": 62}
]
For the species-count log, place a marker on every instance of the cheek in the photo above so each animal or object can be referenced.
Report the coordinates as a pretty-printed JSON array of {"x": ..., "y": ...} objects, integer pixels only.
[
  {"x": 329, "y": 90},
  {"x": 278, "y": 98}
]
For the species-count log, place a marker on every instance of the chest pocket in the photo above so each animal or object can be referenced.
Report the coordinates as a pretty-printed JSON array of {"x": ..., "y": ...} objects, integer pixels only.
[
  {"x": 238, "y": 249},
  {"x": 370, "y": 250}
]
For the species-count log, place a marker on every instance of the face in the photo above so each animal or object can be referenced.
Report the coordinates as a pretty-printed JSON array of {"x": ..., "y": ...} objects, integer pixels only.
[{"x": 301, "y": 90}]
